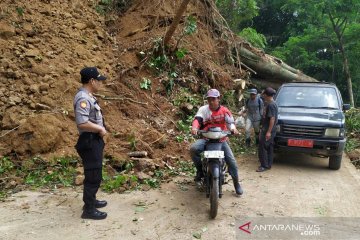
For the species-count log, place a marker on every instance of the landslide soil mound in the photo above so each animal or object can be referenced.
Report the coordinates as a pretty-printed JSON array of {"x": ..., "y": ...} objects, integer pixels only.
[{"x": 44, "y": 45}]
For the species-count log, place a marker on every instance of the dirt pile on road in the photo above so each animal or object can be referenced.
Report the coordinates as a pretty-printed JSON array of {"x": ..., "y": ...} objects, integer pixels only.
[{"x": 44, "y": 44}]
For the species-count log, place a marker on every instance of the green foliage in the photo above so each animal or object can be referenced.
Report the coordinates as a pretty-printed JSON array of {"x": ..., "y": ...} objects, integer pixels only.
[
  {"x": 352, "y": 144},
  {"x": 20, "y": 11},
  {"x": 228, "y": 99},
  {"x": 159, "y": 63},
  {"x": 181, "y": 53},
  {"x": 184, "y": 96},
  {"x": 353, "y": 121},
  {"x": 105, "y": 6},
  {"x": 3, "y": 195},
  {"x": 152, "y": 182},
  {"x": 37, "y": 173},
  {"x": 190, "y": 26},
  {"x": 320, "y": 54},
  {"x": 353, "y": 129},
  {"x": 237, "y": 11},
  {"x": 169, "y": 85},
  {"x": 184, "y": 126},
  {"x": 302, "y": 35},
  {"x": 132, "y": 141},
  {"x": 238, "y": 146},
  {"x": 59, "y": 173},
  {"x": 186, "y": 167},
  {"x": 145, "y": 84},
  {"x": 161, "y": 60},
  {"x": 129, "y": 166},
  {"x": 6, "y": 165},
  {"x": 302, "y": 53},
  {"x": 110, "y": 184},
  {"x": 252, "y": 36}
]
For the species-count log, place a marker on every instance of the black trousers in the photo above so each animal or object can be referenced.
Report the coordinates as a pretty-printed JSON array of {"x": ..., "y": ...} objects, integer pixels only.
[
  {"x": 266, "y": 150},
  {"x": 90, "y": 147},
  {"x": 91, "y": 186}
]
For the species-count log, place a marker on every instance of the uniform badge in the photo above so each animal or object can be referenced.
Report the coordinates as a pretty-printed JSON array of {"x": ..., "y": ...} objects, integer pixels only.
[{"x": 83, "y": 104}]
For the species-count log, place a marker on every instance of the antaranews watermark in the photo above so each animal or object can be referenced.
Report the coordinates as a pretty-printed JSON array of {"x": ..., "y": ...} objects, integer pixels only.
[{"x": 297, "y": 228}]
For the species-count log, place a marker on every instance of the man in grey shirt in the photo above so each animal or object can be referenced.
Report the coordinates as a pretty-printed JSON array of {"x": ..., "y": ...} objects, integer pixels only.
[
  {"x": 253, "y": 108},
  {"x": 268, "y": 131},
  {"x": 90, "y": 145}
]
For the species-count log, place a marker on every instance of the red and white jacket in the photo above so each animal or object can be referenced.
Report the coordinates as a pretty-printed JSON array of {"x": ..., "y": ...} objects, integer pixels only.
[{"x": 206, "y": 118}]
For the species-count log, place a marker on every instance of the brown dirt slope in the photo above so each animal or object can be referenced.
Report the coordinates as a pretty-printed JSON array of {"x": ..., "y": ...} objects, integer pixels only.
[{"x": 43, "y": 46}]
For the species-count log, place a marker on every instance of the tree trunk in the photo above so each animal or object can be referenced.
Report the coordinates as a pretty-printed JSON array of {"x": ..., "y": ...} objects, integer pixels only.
[
  {"x": 269, "y": 69},
  {"x": 347, "y": 73},
  {"x": 175, "y": 22},
  {"x": 337, "y": 27}
]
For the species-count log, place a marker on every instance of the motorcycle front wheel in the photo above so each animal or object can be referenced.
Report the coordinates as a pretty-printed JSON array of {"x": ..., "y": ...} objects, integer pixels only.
[{"x": 214, "y": 197}]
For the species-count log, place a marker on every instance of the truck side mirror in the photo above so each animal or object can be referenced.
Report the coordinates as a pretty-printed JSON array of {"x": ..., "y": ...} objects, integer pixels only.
[{"x": 346, "y": 107}]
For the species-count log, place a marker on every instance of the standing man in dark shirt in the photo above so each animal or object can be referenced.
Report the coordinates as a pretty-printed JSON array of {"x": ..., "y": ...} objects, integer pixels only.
[
  {"x": 268, "y": 131},
  {"x": 90, "y": 145}
]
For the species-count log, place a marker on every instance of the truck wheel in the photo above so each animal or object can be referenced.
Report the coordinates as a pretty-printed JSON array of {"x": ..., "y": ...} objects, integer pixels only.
[{"x": 335, "y": 162}]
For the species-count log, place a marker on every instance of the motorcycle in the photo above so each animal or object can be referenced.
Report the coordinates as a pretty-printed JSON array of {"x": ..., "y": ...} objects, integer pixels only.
[{"x": 213, "y": 166}]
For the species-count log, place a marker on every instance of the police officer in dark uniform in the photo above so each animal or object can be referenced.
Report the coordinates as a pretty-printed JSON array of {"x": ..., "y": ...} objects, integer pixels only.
[{"x": 90, "y": 145}]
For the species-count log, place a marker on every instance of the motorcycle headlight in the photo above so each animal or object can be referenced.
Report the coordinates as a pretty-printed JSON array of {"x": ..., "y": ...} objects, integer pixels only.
[
  {"x": 214, "y": 135},
  {"x": 332, "y": 132}
]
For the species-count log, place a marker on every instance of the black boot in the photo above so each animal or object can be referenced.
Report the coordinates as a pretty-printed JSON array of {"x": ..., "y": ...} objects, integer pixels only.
[
  {"x": 98, "y": 204},
  {"x": 237, "y": 186},
  {"x": 93, "y": 214},
  {"x": 247, "y": 142},
  {"x": 199, "y": 174}
]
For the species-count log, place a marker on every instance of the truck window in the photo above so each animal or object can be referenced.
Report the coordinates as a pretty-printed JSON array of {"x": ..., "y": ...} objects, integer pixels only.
[{"x": 308, "y": 97}]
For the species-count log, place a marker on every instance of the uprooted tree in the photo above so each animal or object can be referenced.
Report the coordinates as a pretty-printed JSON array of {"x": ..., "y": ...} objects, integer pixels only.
[{"x": 262, "y": 65}]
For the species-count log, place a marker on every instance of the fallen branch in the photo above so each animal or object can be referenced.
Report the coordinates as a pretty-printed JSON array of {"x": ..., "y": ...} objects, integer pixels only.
[
  {"x": 136, "y": 31},
  {"x": 9, "y": 131},
  {"x": 168, "y": 166},
  {"x": 61, "y": 202},
  {"x": 166, "y": 116},
  {"x": 138, "y": 154},
  {"x": 153, "y": 101},
  {"x": 157, "y": 139},
  {"x": 41, "y": 106},
  {"x": 128, "y": 99},
  {"x": 147, "y": 146},
  {"x": 120, "y": 99},
  {"x": 248, "y": 68}
]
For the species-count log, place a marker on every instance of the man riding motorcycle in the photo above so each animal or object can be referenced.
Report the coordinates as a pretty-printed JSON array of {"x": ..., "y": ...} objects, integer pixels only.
[{"x": 214, "y": 115}]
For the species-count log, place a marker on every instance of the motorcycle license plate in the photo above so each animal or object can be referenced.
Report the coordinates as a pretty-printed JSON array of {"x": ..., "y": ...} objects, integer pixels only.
[{"x": 214, "y": 154}]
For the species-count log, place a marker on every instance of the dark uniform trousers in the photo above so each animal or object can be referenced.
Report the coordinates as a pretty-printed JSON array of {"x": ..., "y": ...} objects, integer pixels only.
[
  {"x": 90, "y": 147},
  {"x": 266, "y": 149}
]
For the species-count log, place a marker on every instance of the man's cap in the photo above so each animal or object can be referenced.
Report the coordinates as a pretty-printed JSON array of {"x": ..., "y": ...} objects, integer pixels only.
[
  {"x": 269, "y": 91},
  {"x": 252, "y": 91},
  {"x": 91, "y": 73},
  {"x": 213, "y": 93}
]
